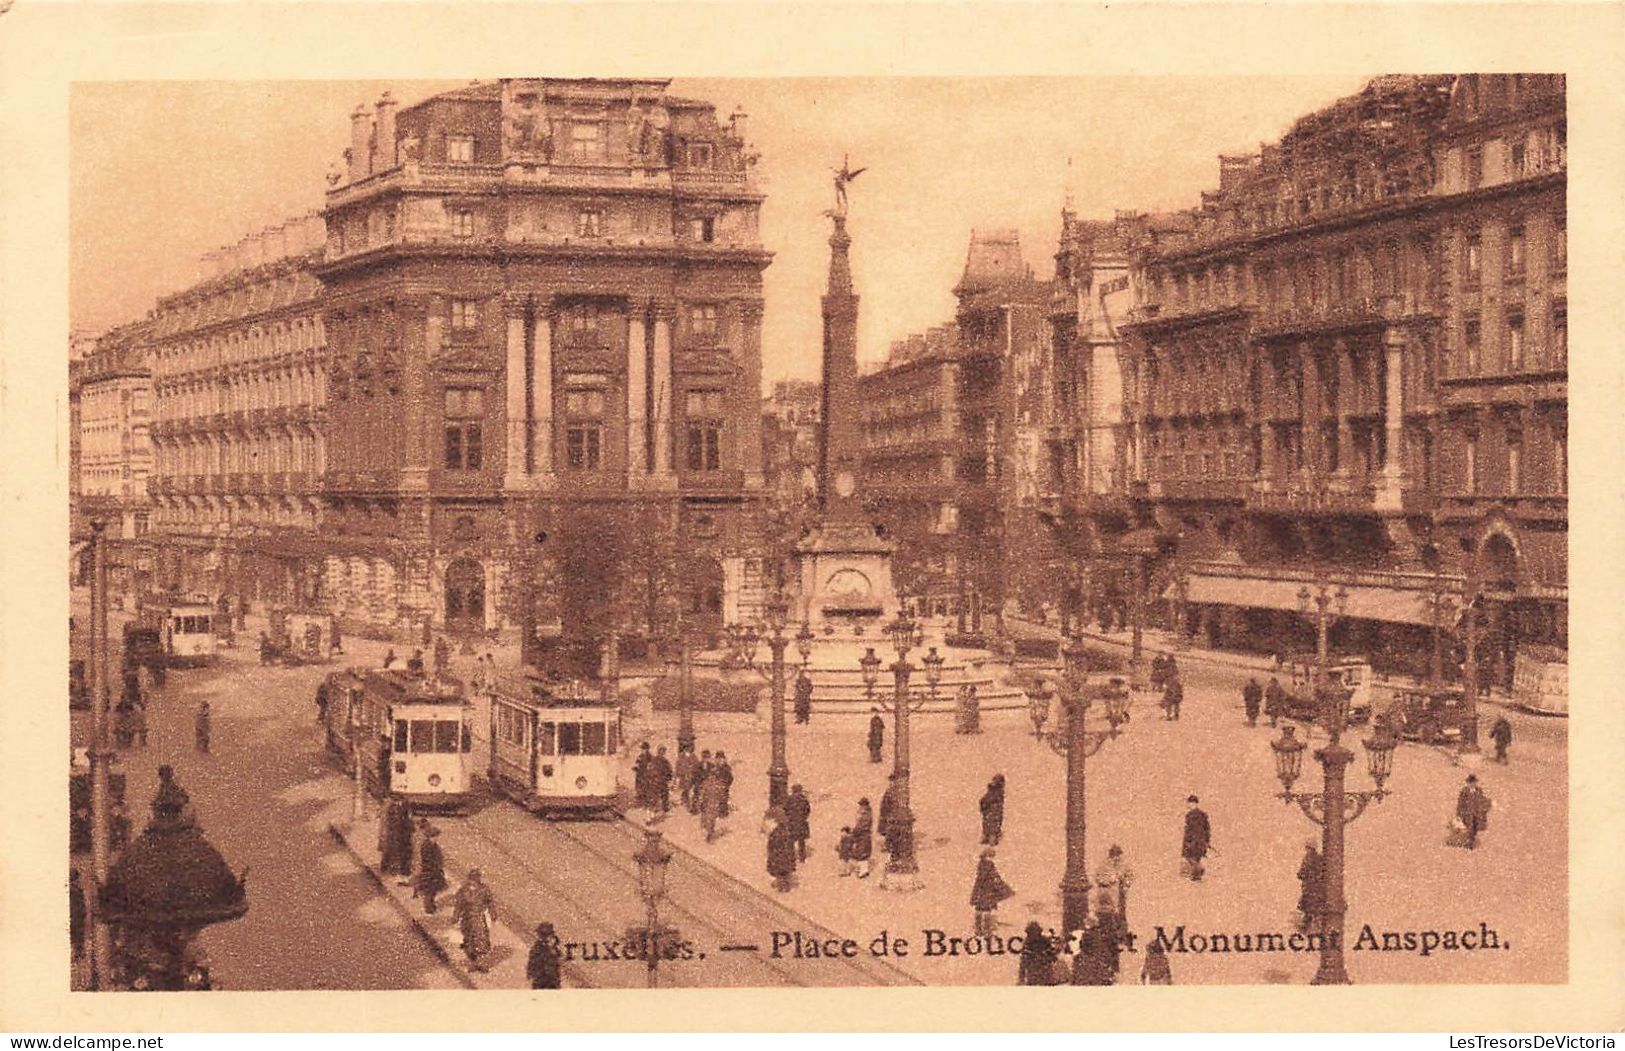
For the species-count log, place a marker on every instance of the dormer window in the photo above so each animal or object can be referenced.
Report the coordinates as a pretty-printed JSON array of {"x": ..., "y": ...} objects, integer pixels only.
[
  {"x": 702, "y": 230},
  {"x": 459, "y": 149},
  {"x": 698, "y": 155},
  {"x": 590, "y": 222},
  {"x": 462, "y": 223},
  {"x": 586, "y": 143}
]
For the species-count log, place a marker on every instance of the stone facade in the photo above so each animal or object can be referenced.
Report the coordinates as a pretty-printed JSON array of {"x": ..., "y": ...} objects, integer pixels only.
[
  {"x": 239, "y": 372},
  {"x": 1353, "y": 353},
  {"x": 544, "y": 308}
]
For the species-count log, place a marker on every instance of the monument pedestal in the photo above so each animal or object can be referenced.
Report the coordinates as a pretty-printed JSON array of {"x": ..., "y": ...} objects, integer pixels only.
[{"x": 845, "y": 576}]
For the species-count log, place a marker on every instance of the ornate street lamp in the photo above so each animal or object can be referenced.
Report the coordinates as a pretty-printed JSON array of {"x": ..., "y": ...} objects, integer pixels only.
[
  {"x": 1333, "y": 808},
  {"x": 685, "y": 688},
  {"x": 1077, "y": 744},
  {"x": 906, "y": 634},
  {"x": 652, "y": 860},
  {"x": 804, "y": 643},
  {"x": 744, "y": 640}
]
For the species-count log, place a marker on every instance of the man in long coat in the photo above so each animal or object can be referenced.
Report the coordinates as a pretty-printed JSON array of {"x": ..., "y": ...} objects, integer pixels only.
[
  {"x": 686, "y": 770},
  {"x": 992, "y": 804},
  {"x": 542, "y": 967},
  {"x": 877, "y": 736},
  {"x": 472, "y": 914},
  {"x": 1311, "y": 886},
  {"x": 1252, "y": 697},
  {"x": 987, "y": 891},
  {"x": 863, "y": 843},
  {"x": 1501, "y": 734},
  {"x": 798, "y": 816},
  {"x": 1473, "y": 808},
  {"x": 1173, "y": 695},
  {"x": 660, "y": 781},
  {"x": 713, "y": 804},
  {"x": 781, "y": 854},
  {"x": 203, "y": 727},
  {"x": 1198, "y": 839},
  {"x": 725, "y": 774},
  {"x": 1274, "y": 701},
  {"x": 888, "y": 814},
  {"x": 804, "y": 692},
  {"x": 431, "y": 876},
  {"x": 643, "y": 797}
]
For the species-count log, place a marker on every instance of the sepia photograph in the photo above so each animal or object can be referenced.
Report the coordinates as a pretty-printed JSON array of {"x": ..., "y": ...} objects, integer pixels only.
[
  {"x": 707, "y": 518},
  {"x": 649, "y": 533}
]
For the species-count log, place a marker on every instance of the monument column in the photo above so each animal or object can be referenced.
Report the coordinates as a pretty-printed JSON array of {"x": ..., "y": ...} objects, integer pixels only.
[{"x": 839, "y": 446}]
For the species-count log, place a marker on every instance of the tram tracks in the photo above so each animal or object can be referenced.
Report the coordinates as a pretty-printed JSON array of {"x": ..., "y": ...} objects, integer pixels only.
[{"x": 580, "y": 874}]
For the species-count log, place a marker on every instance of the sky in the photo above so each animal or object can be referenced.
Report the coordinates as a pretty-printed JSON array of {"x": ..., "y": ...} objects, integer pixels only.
[{"x": 164, "y": 171}]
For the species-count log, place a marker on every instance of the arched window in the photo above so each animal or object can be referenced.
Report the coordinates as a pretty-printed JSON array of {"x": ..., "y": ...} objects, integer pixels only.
[{"x": 465, "y": 595}]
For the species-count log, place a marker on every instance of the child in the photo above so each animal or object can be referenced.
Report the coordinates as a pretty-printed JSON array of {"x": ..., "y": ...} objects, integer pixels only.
[{"x": 843, "y": 851}]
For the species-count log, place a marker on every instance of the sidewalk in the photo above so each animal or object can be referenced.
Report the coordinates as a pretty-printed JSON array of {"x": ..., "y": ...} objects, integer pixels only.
[{"x": 506, "y": 961}]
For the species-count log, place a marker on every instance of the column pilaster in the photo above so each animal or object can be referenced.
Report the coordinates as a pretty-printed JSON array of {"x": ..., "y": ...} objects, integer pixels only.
[
  {"x": 514, "y": 404},
  {"x": 665, "y": 393},
  {"x": 541, "y": 392},
  {"x": 637, "y": 390},
  {"x": 747, "y": 436},
  {"x": 1390, "y": 491}
]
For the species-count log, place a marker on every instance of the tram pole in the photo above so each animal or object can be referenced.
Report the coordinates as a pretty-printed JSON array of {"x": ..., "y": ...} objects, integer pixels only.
[{"x": 100, "y": 756}]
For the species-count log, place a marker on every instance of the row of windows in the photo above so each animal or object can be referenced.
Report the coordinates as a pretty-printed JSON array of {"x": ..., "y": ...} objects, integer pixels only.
[
  {"x": 592, "y": 324},
  {"x": 1515, "y": 252},
  {"x": 1515, "y": 347}
]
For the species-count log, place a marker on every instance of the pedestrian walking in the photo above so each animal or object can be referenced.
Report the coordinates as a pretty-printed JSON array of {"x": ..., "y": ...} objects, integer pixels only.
[
  {"x": 321, "y": 703},
  {"x": 1501, "y": 734},
  {"x": 798, "y": 813},
  {"x": 1173, "y": 695},
  {"x": 781, "y": 852},
  {"x": 431, "y": 876},
  {"x": 542, "y": 967},
  {"x": 888, "y": 817},
  {"x": 473, "y": 915},
  {"x": 660, "y": 781},
  {"x": 986, "y": 892},
  {"x": 1311, "y": 886},
  {"x": 725, "y": 775},
  {"x": 992, "y": 804},
  {"x": 1274, "y": 700},
  {"x": 1112, "y": 882},
  {"x": 1155, "y": 970},
  {"x": 124, "y": 725},
  {"x": 863, "y": 844},
  {"x": 1039, "y": 959},
  {"x": 686, "y": 770},
  {"x": 202, "y": 727},
  {"x": 702, "y": 774},
  {"x": 1473, "y": 810},
  {"x": 843, "y": 852},
  {"x": 877, "y": 736},
  {"x": 1252, "y": 698},
  {"x": 389, "y": 658},
  {"x": 643, "y": 797},
  {"x": 713, "y": 804},
  {"x": 395, "y": 833},
  {"x": 1197, "y": 841},
  {"x": 76, "y": 914},
  {"x": 414, "y": 663},
  {"x": 804, "y": 692}
]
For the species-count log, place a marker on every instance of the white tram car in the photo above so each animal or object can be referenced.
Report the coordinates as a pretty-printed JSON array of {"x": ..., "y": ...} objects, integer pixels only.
[
  {"x": 413, "y": 734},
  {"x": 185, "y": 631},
  {"x": 553, "y": 750}
]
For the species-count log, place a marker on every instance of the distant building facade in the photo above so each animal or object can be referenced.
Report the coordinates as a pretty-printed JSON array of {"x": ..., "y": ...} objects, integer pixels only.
[
  {"x": 956, "y": 431},
  {"x": 1354, "y": 355},
  {"x": 239, "y": 375},
  {"x": 790, "y": 423},
  {"x": 111, "y": 396},
  {"x": 544, "y": 309}
]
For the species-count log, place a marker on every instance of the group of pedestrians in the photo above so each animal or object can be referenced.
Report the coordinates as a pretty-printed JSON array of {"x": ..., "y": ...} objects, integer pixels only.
[
  {"x": 704, "y": 784},
  {"x": 473, "y": 909},
  {"x": 1165, "y": 677},
  {"x": 787, "y": 838}
]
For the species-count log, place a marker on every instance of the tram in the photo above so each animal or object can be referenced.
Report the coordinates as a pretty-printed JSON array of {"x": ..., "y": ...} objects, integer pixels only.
[
  {"x": 553, "y": 749},
  {"x": 414, "y": 735},
  {"x": 185, "y": 631}
]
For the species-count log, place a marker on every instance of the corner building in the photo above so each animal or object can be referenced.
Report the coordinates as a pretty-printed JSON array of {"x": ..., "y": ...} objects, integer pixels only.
[
  {"x": 1356, "y": 357},
  {"x": 544, "y": 306}
]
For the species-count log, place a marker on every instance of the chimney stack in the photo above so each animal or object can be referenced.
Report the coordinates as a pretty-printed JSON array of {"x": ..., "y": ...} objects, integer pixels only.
[
  {"x": 384, "y": 149},
  {"x": 360, "y": 144}
]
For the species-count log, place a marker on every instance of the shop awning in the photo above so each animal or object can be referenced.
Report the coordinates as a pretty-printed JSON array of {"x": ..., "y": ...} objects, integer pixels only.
[{"x": 1393, "y": 605}]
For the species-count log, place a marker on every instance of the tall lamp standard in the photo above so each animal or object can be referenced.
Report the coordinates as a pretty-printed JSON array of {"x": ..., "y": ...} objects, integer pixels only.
[
  {"x": 902, "y": 870},
  {"x": 101, "y": 757},
  {"x": 1077, "y": 744},
  {"x": 743, "y": 640},
  {"x": 1441, "y": 606},
  {"x": 1334, "y": 807},
  {"x": 1469, "y": 665},
  {"x": 1322, "y": 598},
  {"x": 652, "y": 859}
]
